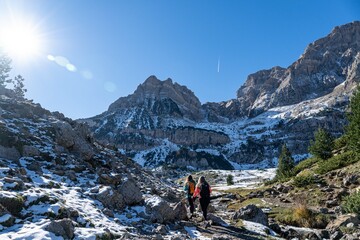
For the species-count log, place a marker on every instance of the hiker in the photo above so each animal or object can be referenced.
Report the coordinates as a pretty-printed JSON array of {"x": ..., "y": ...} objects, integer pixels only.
[
  {"x": 203, "y": 190},
  {"x": 189, "y": 189}
]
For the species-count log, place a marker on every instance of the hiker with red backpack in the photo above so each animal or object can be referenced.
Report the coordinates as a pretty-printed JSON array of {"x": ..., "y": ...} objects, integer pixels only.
[
  {"x": 189, "y": 188},
  {"x": 203, "y": 190}
]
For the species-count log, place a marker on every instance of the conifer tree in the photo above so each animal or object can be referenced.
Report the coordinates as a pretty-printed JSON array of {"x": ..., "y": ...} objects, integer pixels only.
[
  {"x": 286, "y": 163},
  {"x": 5, "y": 68},
  {"x": 19, "y": 87},
  {"x": 323, "y": 145},
  {"x": 353, "y": 129},
  {"x": 230, "y": 180}
]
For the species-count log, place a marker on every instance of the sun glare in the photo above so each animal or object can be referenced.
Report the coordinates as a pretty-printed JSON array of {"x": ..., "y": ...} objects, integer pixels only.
[{"x": 20, "y": 40}]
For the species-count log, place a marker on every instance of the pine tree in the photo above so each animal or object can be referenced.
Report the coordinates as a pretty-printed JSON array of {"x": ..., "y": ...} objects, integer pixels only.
[
  {"x": 353, "y": 129},
  {"x": 230, "y": 180},
  {"x": 323, "y": 145},
  {"x": 5, "y": 68},
  {"x": 19, "y": 87},
  {"x": 286, "y": 163}
]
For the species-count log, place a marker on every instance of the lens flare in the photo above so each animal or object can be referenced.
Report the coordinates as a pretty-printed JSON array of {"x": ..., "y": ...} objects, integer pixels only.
[{"x": 20, "y": 40}]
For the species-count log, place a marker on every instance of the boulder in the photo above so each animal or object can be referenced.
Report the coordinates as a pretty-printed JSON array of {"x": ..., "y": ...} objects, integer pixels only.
[
  {"x": 349, "y": 180},
  {"x": 161, "y": 212},
  {"x": 12, "y": 202},
  {"x": 6, "y": 219},
  {"x": 131, "y": 192},
  {"x": 9, "y": 153},
  {"x": 343, "y": 220},
  {"x": 63, "y": 227},
  {"x": 106, "y": 177},
  {"x": 216, "y": 220},
  {"x": 30, "y": 151},
  {"x": 110, "y": 198},
  {"x": 180, "y": 211},
  {"x": 251, "y": 213},
  {"x": 15, "y": 184}
]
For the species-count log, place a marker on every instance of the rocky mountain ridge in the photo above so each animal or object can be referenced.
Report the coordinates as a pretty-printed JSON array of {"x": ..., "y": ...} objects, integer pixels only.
[{"x": 161, "y": 119}]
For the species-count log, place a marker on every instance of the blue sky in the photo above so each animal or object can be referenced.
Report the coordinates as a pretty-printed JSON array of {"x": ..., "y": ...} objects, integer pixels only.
[{"x": 118, "y": 44}]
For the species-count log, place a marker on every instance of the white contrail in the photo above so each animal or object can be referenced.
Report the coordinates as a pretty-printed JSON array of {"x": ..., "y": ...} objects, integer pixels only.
[{"x": 218, "y": 64}]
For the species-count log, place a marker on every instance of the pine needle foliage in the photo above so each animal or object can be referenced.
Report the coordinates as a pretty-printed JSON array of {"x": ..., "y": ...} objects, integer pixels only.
[{"x": 286, "y": 164}]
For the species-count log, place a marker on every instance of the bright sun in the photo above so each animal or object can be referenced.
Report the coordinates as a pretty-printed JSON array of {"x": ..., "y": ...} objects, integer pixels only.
[{"x": 20, "y": 40}]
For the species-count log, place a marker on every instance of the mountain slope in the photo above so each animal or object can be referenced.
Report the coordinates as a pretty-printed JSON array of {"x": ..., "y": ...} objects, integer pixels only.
[{"x": 57, "y": 182}]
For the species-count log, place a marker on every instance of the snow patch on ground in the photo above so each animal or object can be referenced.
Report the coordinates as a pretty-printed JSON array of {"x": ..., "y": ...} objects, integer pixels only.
[
  {"x": 195, "y": 234},
  {"x": 258, "y": 228},
  {"x": 242, "y": 178}
]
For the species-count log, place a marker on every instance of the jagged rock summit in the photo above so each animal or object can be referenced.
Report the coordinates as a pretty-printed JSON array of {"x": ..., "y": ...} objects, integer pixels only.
[
  {"x": 163, "y": 122},
  {"x": 163, "y": 98}
]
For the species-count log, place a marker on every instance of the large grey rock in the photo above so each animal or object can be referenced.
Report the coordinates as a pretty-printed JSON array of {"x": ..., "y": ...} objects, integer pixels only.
[
  {"x": 30, "y": 151},
  {"x": 131, "y": 192},
  {"x": 72, "y": 139},
  {"x": 180, "y": 211},
  {"x": 251, "y": 213},
  {"x": 162, "y": 212},
  {"x": 110, "y": 198},
  {"x": 10, "y": 153},
  {"x": 216, "y": 220},
  {"x": 63, "y": 227}
]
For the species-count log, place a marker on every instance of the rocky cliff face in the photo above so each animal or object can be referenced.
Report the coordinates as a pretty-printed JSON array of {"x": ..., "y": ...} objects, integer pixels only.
[
  {"x": 275, "y": 106},
  {"x": 325, "y": 64}
]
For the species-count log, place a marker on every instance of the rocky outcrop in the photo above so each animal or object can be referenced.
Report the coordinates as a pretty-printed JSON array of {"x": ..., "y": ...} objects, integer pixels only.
[
  {"x": 199, "y": 160},
  {"x": 344, "y": 220},
  {"x": 77, "y": 139}
]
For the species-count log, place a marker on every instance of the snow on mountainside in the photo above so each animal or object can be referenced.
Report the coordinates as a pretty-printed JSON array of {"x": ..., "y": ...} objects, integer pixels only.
[
  {"x": 57, "y": 182},
  {"x": 163, "y": 123}
]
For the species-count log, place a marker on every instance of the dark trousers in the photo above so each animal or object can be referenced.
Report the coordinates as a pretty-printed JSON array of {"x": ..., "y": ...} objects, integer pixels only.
[
  {"x": 204, "y": 203},
  {"x": 191, "y": 204}
]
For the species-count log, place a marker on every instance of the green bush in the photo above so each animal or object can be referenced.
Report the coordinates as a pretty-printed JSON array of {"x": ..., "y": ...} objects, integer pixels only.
[
  {"x": 305, "y": 164},
  {"x": 351, "y": 203},
  {"x": 338, "y": 161},
  {"x": 304, "y": 180}
]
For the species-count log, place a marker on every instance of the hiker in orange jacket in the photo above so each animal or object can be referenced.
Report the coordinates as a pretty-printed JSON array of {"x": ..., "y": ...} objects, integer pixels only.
[
  {"x": 203, "y": 191},
  {"x": 189, "y": 188}
]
